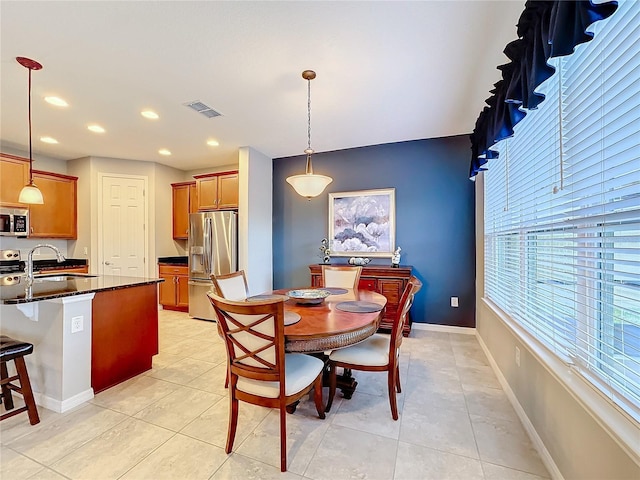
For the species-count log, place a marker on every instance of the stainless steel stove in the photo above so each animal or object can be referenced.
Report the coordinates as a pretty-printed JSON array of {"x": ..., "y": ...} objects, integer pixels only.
[{"x": 11, "y": 267}]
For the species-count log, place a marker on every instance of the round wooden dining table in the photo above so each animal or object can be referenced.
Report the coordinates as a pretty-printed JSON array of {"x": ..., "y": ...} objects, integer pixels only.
[{"x": 325, "y": 327}]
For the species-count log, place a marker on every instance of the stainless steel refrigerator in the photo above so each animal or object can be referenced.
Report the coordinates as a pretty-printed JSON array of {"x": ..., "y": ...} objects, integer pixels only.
[{"x": 213, "y": 250}]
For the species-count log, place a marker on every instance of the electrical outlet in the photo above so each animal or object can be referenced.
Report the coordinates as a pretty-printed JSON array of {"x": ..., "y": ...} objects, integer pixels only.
[
  {"x": 454, "y": 302},
  {"x": 517, "y": 356},
  {"x": 77, "y": 324},
  {"x": 86, "y": 250}
]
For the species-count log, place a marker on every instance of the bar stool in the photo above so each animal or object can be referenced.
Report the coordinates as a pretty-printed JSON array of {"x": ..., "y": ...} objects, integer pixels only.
[{"x": 15, "y": 350}]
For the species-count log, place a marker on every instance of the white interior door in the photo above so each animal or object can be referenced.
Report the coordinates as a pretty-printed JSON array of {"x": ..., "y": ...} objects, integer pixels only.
[{"x": 122, "y": 225}]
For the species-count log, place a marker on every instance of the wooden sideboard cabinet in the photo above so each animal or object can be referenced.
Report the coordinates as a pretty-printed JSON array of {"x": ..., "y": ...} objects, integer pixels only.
[
  {"x": 217, "y": 191},
  {"x": 174, "y": 291},
  {"x": 388, "y": 281},
  {"x": 57, "y": 217},
  {"x": 185, "y": 201}
]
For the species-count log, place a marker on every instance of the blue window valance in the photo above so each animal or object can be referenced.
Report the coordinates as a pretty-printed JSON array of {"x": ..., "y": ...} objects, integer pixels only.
[{"x": 546, "y": 29}]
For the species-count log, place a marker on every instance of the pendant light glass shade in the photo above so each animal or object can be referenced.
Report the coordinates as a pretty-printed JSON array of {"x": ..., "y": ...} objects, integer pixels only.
[
  {"x": 30, "y": 193},
  {"x": 309, "y": 185}
]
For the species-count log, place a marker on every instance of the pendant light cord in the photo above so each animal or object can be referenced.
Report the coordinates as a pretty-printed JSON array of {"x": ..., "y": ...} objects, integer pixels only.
[
  {"x": 309, "y": 114},
  {"x": 30, "y": 150}
]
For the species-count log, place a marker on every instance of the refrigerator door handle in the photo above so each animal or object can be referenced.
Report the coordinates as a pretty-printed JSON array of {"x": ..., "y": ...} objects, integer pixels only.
[{"x": 207, "y": 246}]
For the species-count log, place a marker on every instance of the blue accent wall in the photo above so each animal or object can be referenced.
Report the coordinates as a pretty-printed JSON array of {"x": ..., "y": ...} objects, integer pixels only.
[{"x": 435, "y": 223}]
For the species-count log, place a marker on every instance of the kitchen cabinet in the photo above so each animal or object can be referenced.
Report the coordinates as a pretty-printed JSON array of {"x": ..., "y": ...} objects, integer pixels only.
[
  {"x": 14, "y": 174},
  {"x": 388, "y": 281},
  {"x": 174, "y": 291},
  {"x": 84, "y": 269},
  {"x": 217, "y": 191},
  {"x": 57, "y": 217},
  {"x": 185, "y": 201}
]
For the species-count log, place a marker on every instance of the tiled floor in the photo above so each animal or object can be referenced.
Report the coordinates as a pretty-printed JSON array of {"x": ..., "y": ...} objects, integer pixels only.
[{"x": 455, "y": 423}]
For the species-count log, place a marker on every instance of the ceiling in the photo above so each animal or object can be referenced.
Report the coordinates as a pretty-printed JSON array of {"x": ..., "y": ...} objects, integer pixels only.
[{"x": 386, "y": 72}]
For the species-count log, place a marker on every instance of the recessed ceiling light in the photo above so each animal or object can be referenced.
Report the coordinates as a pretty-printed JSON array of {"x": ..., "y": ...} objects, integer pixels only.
[
  {"x": 57, "y": 101},
  {"x": 149, "y": 114},
  {"x": 212, "y": 143},
  {"x": 48, "y": 140},
  {"x": 164, "y": 151},
  {"x": 96, "y": 128}
]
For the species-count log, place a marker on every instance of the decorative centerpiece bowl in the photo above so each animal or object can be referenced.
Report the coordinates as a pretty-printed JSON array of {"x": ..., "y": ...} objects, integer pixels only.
[{"x": 308, "y": 296}]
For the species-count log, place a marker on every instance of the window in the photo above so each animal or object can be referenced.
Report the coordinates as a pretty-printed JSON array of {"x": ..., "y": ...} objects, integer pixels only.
[{"x": 562, "y": 212}]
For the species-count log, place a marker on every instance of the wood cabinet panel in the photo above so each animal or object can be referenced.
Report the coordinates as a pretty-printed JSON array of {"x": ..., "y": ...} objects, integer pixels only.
[
  {"x": 181, "y": 206},
  {"x": 124, "y": 334},
  {"x": 14, "y": 174},
  {"x": 84, "y": 269},
  {"x": 174, "y": 291},
  {"x": 388, "y": 281},
  {"x": 57, "y": 217},
  {"x": 217, "y": 191}
]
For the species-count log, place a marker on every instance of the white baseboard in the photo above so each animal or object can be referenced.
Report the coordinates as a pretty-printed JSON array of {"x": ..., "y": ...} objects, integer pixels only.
[
  {"x": 545, "y": 456},
  {"x": 65, "y": 405},
  {"x": 443, "y": 328}
]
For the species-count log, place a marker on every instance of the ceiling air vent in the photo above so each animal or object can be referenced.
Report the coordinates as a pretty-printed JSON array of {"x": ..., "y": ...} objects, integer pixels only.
[{"x": 202, "y": 109}]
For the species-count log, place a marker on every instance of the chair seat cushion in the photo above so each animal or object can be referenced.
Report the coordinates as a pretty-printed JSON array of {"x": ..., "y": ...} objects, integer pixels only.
[
  {"x": 372, "y": 352},
  {"x": 300, "y": 372},
  {"x": 10, "y": 348}
]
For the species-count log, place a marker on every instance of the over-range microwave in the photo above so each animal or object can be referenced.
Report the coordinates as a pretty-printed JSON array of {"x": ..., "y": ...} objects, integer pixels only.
[{"x": 14, "y": 222}]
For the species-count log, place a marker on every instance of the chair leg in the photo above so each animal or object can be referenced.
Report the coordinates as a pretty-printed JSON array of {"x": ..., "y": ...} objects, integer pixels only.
[
  {"x": 283, "y": 438},
  {"x": 233, "y": 421},
  {"x": 226, "y": 378},
  {"x": 27, "y": 393},
  {"x": 317, "y": 397},
  {"x": 392, "y": 393},
  {"x": 398, "y": 387},
  {"x": 6, "y": 392},
  {"x": 332, "y": 385}
]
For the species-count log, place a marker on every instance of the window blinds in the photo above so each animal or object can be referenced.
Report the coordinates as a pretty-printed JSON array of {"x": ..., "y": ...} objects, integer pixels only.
[{"x": 562, "y": 212}]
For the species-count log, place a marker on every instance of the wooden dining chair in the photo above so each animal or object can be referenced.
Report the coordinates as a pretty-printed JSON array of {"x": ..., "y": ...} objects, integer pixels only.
[
  {"x": 260, "y": 371},
  {"x": 341, "y": 276},
  {"x": 378, "y": 353},
  {"x": 232, "y": 286}
]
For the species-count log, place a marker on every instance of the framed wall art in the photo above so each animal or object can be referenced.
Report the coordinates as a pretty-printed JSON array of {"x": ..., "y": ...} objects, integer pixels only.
[{"x": 362, "y": 223}]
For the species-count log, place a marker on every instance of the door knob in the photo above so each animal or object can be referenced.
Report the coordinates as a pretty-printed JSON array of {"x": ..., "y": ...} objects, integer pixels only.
[{"x": 107, "y": 263}]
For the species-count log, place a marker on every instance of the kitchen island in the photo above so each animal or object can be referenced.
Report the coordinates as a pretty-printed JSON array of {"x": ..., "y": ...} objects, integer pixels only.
[{"x": 89, "y": 332}]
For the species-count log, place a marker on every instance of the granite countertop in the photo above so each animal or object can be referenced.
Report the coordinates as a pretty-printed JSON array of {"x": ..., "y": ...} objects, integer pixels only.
[
  {"x": 52, "y": 263},
  {"x": 173, "y": 260},
  {"x": 78, "y": 284}
]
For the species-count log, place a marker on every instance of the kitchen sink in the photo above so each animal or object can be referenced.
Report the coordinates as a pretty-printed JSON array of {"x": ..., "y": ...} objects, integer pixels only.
[{"x": 61, "y": 277}]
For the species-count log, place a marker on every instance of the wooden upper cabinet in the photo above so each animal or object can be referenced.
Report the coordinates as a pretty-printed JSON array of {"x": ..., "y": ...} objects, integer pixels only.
[
  {"x": 184, "y": 203},
  {"x": 217, "y": 191},
  {"x": 14, "y": 174},
  {"x": 57, "y": 217}
]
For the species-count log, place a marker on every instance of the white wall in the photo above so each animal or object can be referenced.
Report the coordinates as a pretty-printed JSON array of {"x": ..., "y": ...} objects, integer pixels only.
[
  {"x": 576, "y": 442},
  {"x": 255, "y": 219}
]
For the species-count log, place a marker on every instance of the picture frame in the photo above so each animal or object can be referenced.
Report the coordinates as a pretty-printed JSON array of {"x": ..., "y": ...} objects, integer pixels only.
[{"x": 362, "y": 223}]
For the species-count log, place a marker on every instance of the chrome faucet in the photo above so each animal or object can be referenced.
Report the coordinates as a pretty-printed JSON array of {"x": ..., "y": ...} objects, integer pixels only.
[{"x": 29, "y": 265}]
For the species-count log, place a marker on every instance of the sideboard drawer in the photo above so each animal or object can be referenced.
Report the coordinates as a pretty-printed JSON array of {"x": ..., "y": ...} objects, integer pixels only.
[{"x": 367, "y": 284}]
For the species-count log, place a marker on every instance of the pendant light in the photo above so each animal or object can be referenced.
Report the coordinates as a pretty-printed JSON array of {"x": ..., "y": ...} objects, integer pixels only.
[
  {"x": 309, "y": 185},
  {"x": 30, "y": 193}
]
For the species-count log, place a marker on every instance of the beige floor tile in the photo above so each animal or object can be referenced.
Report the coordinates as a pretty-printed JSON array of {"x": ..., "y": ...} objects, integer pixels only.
[
  {"x": 498, "y": 472},
  {"x": 212, "y": 425},
  {"x": 183, "y": 371},
  {"x": 432, "y": 368},
  {"x": 416, "y": 462},
  {"x": 212, "y": 352},
  {"x": 479, "y": 375},
  {"x": 17, "y": 426},
  {"x": 369, "y": 413},
  {"x": 47, "y": 474},
  {"x": 179, "y": 408},
  {"x": 15, "y": 466},
  {"x": 238, "y": 467},
  {"x": 162, "y": 360},
  {"x": 506, "y": 443},
  {"x": 67, "y": 433},
  {"x": 489, "y": 402},
  {"x": 436, "y": 392},
  {"x": 114, "y": 452},
  {"x": 180, "y": 457},
  {"x": 446, "y": 430},
  {"x": 212, "y": 381},
  {"x": 133, "y": 395},
  {"x": 345, "y": 453},
  {"x": 304, "y": 433},
  {"x": 469, "y": 356}
]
